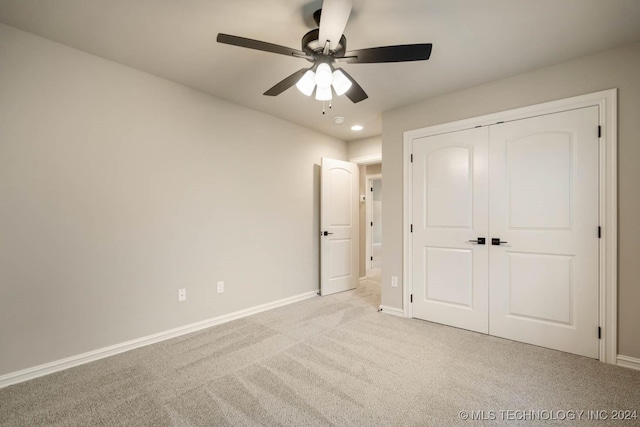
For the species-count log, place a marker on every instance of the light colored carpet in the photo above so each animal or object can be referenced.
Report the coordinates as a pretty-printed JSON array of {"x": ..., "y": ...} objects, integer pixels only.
[{"x": 327, "y": 361}]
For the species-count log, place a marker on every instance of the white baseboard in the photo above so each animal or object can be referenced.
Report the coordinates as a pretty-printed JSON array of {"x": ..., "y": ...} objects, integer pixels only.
[
  {"x": 628, "y": 362},
  {"x": 392, "y": 310},
  {"x": 101, "y": 353}
]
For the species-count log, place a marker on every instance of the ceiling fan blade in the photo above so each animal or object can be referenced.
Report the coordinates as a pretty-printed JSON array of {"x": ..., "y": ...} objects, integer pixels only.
[
  {"x": 399, "y": 53},
  {"x": 286, "y": 83},
  {"x": 355, "y": 92},
  {"x": 333, "y": 20},
  {"x": 260, "y": 45}
]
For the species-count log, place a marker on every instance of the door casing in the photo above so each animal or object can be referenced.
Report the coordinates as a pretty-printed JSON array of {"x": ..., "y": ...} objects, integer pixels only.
[{"x": 607, "y": 280}]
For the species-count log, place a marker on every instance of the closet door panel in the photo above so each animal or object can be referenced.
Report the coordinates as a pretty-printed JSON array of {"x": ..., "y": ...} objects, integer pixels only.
[
  {"x": 544, "y": 207},
  {"x": 450, "y": 272}
]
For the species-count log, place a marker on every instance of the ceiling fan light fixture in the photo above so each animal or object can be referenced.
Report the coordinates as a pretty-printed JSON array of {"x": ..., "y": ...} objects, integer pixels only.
[
  {"x": 323, "y": 76},
  {"x": 323, "y": 93},
  {"x": 323, "y": 47},
  {"x": 307, "y": 83},
  {"x": 341, "y": 84}
]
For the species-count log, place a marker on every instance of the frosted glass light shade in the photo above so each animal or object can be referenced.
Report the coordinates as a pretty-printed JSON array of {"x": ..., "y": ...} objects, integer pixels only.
[
  {"x": 307, "y": 83},
  {"x": 341, "y": 84},
  {"x": 323, "y": 76},
  {"x": 323, "y": 93}
]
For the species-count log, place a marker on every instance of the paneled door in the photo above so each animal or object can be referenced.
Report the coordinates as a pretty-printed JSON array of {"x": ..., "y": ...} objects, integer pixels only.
[
  {"x": 450, "y": 219},
  {"x": 544, "y": 206},
  {"x": 530, "y": 188},
  {"x": 339, "y": 226}
]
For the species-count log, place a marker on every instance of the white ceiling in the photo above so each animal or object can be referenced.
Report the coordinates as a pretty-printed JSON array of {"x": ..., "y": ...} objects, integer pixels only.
[{"x": 474, "y": 41}]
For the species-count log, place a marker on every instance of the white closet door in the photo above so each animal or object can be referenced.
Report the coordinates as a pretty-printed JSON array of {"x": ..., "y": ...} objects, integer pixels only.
[
  {"x": 544, "y": 206},
  {"x": 450, "y": 273}
]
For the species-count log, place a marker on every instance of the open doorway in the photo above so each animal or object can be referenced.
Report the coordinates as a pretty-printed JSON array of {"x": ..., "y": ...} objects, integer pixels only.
[
  {"x": 370, "y": 220},
  {"x": 370, "y": 167},
  {"x": 373, "y": 256}
]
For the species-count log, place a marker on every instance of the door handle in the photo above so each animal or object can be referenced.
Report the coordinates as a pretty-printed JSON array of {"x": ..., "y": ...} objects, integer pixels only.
[
  {"x": 325, "y": 233},
  {"x": 497, "y": 242},
  {"x": 480, "y": 241}
]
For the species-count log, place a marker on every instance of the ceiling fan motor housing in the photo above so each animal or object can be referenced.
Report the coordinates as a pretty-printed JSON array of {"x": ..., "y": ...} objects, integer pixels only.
[{"x": 312, "y": 46}]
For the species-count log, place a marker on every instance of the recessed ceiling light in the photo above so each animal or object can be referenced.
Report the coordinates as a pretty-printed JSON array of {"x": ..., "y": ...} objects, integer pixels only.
[
  {"x": 356, "y": 128},
  {"x": 338, "y": 120}
]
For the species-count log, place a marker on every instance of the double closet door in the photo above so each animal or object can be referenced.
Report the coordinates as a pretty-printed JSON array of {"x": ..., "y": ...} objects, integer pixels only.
[{"x": 505, "y": 230}]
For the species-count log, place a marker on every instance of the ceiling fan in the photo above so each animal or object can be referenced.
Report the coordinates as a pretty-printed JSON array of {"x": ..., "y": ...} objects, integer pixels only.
[{"x": 325, "y": 46}]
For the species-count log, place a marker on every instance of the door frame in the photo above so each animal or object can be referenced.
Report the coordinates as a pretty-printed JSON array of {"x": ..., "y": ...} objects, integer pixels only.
[
  {"x": 369, "y": 217},
  {"x": 608, "y": 195}
]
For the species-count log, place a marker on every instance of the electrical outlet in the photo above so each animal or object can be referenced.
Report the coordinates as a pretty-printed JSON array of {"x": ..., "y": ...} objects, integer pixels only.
[
  {"x": 394, "y": 281},
  {"x": 182, "y": 294},
  {"x": 220, "y": 287}
]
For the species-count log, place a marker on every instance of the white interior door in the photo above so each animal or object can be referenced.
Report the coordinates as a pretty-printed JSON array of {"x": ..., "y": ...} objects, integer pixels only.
[
  {"x": 544, "y": 203},
  {"x": 532, "y": 185},
  {"x": 450, "y": 271},
  {"x": 339, "y": 213}
]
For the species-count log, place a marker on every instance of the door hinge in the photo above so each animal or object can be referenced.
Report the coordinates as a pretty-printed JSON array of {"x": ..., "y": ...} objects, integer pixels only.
[
  {"x": 599, "y": 332},
  {"x": 372, "y": 189},
  {"x": 411, "y": 158},
  {"x": 599, "y": 232},
  {"x": 411, "y": 297},
  {"x": 372, "y": 223},
  {"x": 599, "y": 131},
  {"x": 371, "y": 258},
  {"x": 412, "y": 228}
]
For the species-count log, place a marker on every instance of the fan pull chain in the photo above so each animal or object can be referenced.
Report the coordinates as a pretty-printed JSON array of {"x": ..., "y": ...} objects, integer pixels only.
[{"x": 323, "y": 107}]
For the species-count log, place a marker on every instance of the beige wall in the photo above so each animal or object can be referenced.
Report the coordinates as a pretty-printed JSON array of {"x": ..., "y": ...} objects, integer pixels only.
[
  {"x": 374, "y": 169},
  {"x": 118, "y": 187},
  {"x": 365, "y": 147},
  {"x": 619, "y": 68}
]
